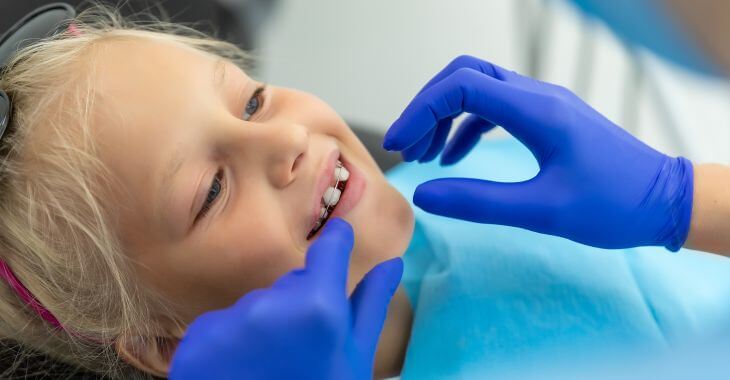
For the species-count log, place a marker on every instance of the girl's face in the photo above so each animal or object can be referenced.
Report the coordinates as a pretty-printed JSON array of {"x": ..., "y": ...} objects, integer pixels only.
[{"x": 223, "y": 178}]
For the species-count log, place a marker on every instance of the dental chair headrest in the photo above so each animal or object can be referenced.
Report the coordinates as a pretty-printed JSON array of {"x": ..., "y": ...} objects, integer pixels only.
[{"x": 40, "y": 23}]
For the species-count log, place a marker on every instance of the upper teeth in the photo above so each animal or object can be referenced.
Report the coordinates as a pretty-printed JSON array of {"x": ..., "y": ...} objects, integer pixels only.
[
  {"x": 341, "y": 174},
  {"x": 332, "y": 194}
]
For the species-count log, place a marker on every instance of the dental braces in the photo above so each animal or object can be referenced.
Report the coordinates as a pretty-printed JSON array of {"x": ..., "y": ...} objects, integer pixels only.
[{"x": 339, "y": 185}]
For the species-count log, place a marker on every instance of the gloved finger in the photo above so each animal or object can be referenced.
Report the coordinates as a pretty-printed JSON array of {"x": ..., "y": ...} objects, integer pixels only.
[
  {"x": 439, "y": 140},
  {"x": 251, "y": 298},
  {"x": 467, "y": 62},
  {"x": 443, "y": 128},
  {"x": 328, "y": 258},
  {"x": 418, "y": 149},
  {"x": 465, "y": 138},
  {"x": 519, "y": 111},
  {"x": 291, "y": 279},
  {"x": 515, "y": 204},
  {"x": 370, "y": 301},
  {"x": 460, "y": 62},
  {"x": 470, "y": 62}
]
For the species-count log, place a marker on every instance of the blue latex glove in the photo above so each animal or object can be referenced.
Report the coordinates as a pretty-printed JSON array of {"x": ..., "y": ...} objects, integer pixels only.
[
  {"x": 302, "y": 327},
  {"x": 597, "y": 184}
]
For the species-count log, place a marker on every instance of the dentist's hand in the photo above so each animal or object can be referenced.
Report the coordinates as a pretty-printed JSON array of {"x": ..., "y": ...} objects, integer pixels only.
[
  {"x": 597, "y": 184},
  {"x": 302, "y": 327}
]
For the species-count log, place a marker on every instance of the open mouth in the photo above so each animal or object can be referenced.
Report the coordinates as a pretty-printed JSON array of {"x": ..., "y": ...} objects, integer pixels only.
[{"x": 331, "y": 197}]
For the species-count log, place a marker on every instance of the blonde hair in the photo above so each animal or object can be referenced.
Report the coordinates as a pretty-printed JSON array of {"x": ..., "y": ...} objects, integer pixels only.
[{"x": 56, "y": 233}]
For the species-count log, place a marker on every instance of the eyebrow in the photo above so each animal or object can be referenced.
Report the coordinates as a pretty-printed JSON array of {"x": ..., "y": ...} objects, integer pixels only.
[
  {"x": 178, "y": 157},
  {"x": 219, "y": 72}
]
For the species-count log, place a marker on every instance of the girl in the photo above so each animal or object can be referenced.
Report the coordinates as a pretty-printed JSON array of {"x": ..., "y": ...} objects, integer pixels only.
[{"x": 147, "y": 179}]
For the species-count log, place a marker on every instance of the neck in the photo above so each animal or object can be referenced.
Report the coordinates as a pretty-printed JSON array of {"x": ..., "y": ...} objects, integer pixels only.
[{"x": 394, "y": 338}]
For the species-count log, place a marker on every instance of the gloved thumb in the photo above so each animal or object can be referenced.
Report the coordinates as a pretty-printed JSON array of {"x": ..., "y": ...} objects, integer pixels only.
[
  {"x": 370, "y": 302},
  {"x": 481, "y": 201}
]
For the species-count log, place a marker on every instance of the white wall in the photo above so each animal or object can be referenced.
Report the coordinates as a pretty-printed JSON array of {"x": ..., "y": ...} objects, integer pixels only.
[{"x": 368, "y": 58}]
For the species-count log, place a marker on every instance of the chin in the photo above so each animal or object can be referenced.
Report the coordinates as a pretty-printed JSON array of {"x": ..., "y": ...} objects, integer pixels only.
[
  {"x": 383, "y": 230},
  {"x": 401, "y": 222}
]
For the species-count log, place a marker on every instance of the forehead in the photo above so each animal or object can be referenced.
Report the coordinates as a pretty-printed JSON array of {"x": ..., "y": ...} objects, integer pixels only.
[
  {"x": 150, "y": 97},
  {"x": 145, "y": 93},
  {"x": 141, "y": 72}
]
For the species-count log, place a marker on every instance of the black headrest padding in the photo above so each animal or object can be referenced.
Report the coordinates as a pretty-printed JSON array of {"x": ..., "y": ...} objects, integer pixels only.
[
  {"x": 4, "y": 112},
  {"x": 41, "y": 22}
]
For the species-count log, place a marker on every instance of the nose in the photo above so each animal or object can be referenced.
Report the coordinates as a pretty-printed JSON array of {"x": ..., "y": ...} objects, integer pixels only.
[{"x": 277, "y": 148}]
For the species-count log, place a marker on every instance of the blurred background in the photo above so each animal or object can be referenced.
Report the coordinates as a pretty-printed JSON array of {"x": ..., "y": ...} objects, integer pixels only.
[{"x": 368, "y": 58}]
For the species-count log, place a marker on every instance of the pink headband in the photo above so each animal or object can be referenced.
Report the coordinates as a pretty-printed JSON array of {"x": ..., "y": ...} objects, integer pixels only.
[
  {"x": 7, "y": 274},
  {"x": 9, "y": 277}
]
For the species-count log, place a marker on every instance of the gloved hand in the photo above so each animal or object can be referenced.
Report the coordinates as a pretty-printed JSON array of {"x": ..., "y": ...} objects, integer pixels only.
[
  {"x": 597, "y": 184},
  {"x": 302, "y": 327}
]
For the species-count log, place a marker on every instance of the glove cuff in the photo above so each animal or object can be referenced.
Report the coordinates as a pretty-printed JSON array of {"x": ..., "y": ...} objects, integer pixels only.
[{"x": 680, "y": 203}]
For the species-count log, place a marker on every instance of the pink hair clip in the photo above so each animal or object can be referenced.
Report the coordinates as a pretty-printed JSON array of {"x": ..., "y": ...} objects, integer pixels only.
[{"x": 74, "y": 30}]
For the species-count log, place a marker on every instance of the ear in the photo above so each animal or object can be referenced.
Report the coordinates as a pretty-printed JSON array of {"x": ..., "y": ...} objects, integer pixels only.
[{"x": 151, "y": 354}]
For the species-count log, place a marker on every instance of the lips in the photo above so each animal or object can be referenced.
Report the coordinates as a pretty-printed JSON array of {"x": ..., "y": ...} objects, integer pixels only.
[{"x": 338, "y": 191}]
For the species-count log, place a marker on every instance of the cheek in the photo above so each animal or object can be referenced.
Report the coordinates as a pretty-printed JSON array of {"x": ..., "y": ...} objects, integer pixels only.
[
  {"x": 253, "y": 248},
  {"x": 247, "y": 249}
]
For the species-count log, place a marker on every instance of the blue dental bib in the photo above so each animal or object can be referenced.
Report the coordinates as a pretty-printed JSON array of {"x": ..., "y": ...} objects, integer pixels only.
[{"x": 493, "y": 300}]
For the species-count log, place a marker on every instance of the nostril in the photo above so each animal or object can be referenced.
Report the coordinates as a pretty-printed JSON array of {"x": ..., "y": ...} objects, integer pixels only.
[{"x": 296, "y": 162}]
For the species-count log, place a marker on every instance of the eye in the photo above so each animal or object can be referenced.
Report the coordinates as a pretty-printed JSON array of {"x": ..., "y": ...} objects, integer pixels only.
[
  {"x": 254, "y": 103},
  {"x": 216, "y": 187}
]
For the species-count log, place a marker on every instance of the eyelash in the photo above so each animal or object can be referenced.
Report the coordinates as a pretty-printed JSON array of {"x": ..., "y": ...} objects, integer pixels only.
[
  {"x": 219, "y": 177},
  {"x": 208, "y": 203},
  {"x": 259, "y": 103}
]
